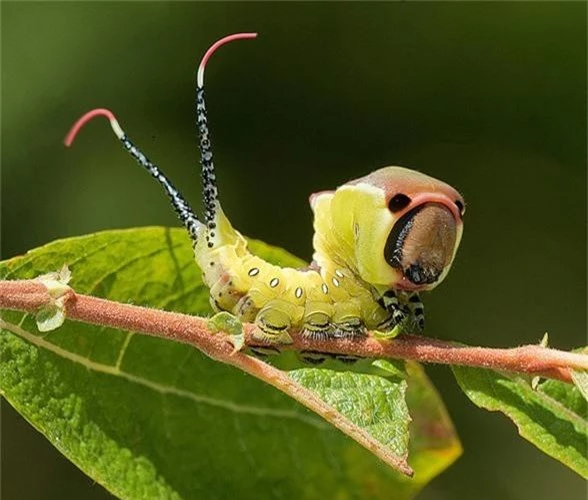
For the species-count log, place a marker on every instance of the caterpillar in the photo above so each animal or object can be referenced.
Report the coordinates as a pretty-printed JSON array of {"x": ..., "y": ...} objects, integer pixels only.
[{"x": 378, "y": 241}]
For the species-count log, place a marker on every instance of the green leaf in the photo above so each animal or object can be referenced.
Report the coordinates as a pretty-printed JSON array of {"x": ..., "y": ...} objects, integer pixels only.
[
  {"x": 580, "y": 378},
  {"x": 553, "y": 417},
  {"x": 152, "y": 418},
  {"x": 375, "y": 402}
]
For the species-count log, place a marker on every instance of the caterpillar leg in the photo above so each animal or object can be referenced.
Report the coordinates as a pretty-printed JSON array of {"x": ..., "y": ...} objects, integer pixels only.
[
  {"x": 318, "y": 358},
  {"x": 349, "y": 328},
  {"x": 264, "y": 352},
  {"x": 245, "y": 309},
  {"x": 397, "y": 312},
  {"x": 272, "y": 325},
  {"x": 417, "y": 310},
  {"x": 318, "y": 326},
  {"x": 314, "y": 357},
  {"x": 347, "y": 319}
]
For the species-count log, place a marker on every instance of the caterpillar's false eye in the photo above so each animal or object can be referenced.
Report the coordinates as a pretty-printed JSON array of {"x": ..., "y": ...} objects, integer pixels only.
[
  {"x": 398, "y": 202},
  {"x": 460, "y": 206}
]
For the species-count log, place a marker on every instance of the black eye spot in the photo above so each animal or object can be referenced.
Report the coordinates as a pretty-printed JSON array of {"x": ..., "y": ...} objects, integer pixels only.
[
  {"x": 398, "y": 202},
  {"x": 460, "y": 207}
]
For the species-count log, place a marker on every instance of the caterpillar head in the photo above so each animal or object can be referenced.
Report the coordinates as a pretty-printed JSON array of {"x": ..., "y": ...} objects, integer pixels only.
[{"x": 395, "y": 228}]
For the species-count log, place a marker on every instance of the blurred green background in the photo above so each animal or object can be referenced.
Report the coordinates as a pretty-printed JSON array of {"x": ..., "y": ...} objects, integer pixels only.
[{"x": 490, "y": 97}]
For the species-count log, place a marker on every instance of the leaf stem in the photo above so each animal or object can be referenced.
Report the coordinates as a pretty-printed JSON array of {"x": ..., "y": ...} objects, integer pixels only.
[{"x": 536, "y": 360}]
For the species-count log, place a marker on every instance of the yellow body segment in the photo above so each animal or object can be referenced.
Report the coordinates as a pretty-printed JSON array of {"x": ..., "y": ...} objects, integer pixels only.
[{"x": 280, "y": 299}]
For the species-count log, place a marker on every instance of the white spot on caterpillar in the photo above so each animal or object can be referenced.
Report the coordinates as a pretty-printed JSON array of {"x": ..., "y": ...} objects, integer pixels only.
[
  {"x": 274, "y": 282},
  {"x": 325, "y": 288},
  {"x": 339, "y": 274},
  {"x": 336, "y": 282},
  {"x": 298, "y": 292},
  {"x": 253, "y": 271}
]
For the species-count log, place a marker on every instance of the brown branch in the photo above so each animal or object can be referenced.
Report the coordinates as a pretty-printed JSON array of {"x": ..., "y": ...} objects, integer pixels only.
[{"x": 531, "y": 359}]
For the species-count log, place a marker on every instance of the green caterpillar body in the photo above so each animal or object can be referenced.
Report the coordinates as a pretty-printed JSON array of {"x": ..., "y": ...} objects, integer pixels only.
[{"x": 352, "y": 285}]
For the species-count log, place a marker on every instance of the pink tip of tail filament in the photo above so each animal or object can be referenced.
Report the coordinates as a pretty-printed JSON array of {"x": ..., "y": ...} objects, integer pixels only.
[
  {"x": 77, "y": 126},
  {"x": 213, "y": 48}
]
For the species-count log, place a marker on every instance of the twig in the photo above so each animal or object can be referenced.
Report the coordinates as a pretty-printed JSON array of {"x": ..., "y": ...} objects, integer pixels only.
[{"x": 29, "y": 296}]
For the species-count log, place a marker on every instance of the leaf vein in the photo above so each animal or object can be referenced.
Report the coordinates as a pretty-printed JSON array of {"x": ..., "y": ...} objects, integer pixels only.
[{"x": 161, "y": 388}]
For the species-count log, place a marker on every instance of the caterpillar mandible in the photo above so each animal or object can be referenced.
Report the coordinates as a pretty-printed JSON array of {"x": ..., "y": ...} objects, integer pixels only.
[{"x": 378, "y": 241}]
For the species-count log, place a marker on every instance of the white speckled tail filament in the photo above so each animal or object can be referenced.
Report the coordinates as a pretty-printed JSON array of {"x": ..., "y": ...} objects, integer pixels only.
[
  {"x": 209, "y": 188},
  {"x": 181, "y": 206}
]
